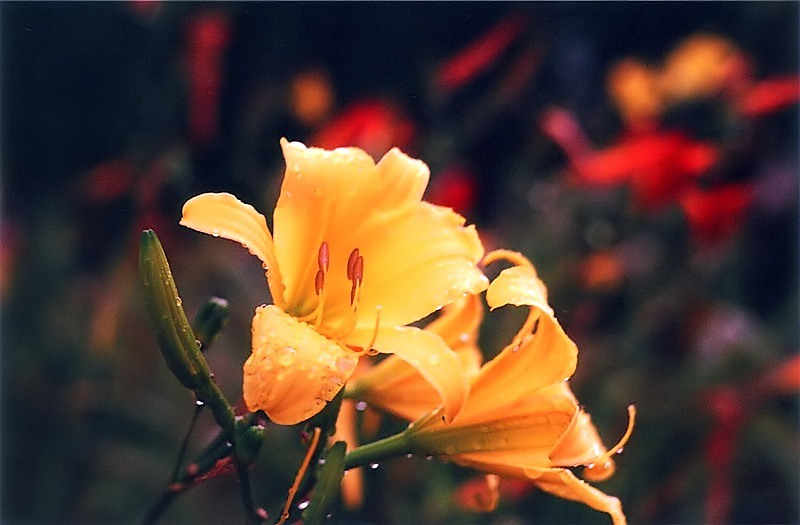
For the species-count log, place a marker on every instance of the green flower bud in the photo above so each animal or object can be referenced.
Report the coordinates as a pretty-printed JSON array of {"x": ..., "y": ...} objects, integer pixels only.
[
  {"x": 209, "y": 321},
  {"x": 173, "y": 333}
]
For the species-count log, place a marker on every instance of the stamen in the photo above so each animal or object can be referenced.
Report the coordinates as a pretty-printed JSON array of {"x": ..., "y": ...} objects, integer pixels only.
[
  {"x": 323, "y": 257},
  {"x": 319, "y": 281},
  {"x": 357, "y": 276},
  {"x": 323, "y": 262},
  {"x": 351, "y": 263}
]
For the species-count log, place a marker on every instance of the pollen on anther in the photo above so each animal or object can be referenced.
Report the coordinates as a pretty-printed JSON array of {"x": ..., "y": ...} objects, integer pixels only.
[
  {"x": 323, "y": 257},
  {"x": 319, "y": 281},
  {"x": 351, "y": 264},
  {"x": 358, "y": 274}
]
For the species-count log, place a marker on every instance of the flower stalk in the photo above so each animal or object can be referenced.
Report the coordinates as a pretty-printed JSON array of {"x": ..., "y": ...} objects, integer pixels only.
[{"x": 396, "y": 445}]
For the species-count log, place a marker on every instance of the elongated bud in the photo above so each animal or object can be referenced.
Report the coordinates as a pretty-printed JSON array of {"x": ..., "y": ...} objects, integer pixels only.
[
  {"x": 209, "y": 321},
  {"x": 173, "y": 333}
]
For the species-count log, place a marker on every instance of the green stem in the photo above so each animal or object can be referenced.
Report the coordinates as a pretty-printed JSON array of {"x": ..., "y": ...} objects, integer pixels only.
[{"x": 396, "y": 445}]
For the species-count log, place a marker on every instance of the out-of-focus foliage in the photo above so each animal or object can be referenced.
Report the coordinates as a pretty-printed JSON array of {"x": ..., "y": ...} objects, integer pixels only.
[{"x": 115, "y": 113}]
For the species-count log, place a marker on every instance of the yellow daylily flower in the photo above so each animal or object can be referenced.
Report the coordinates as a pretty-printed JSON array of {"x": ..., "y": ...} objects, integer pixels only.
[
  {"x": 520, "y": 418},
  {"x": 355, "y": 257}
]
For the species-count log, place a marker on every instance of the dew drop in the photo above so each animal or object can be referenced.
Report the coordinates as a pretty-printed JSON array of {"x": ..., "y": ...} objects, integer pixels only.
[
  {"x": 215, "y": 233},
  {"x": 463, "y": 338},
  {"x": 321, "y": 461},
  {"x": 303, "y": 504},
  {"x": 428, "y": 458},
  {"x": 178, "y": 300},
  {"x": 410, "y": 456},
  {"x": 286, "y": 355},
  {"x": 433, "y": 359},
  {"x": 296, "y": 167},
  {"x": 374, "y": 466},
  {"x": 199, "y": 402},
  {"x": 619, "y": 450},
  {"x": 361, "y": 406}
]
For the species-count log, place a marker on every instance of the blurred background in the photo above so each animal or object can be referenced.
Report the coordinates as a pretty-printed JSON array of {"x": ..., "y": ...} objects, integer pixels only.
[{"x": 643, "y": 155}]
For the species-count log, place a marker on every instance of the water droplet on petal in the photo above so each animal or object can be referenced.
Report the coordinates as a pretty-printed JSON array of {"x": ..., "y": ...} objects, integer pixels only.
[
  {"x": 361, "y": 406},
  {"x": 199, "y": 402},
  {"x": 303, "y": 504},
  {"x": 409, "y": 455},
  {"x": 433, "y": 359},
  {"x": 178, "y": 300},
  {"x": 374, "y": 466},
  {"x": 286, "y": 355},
  {"x": 215, "y": 233}
]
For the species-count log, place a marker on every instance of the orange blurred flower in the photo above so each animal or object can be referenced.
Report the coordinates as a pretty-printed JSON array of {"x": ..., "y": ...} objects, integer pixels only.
[
  {"x": 356, "y": 256},
  {"x": 704, "y": 65},
  {"x": 634, "y": 88}
]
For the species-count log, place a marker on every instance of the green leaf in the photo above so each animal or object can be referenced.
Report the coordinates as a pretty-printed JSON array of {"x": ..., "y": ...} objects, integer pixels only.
[{"x": 328, "y": 482}]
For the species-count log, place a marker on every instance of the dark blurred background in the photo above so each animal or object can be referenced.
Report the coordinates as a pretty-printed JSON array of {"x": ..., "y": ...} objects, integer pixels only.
[{"x": 643, "y": 155}]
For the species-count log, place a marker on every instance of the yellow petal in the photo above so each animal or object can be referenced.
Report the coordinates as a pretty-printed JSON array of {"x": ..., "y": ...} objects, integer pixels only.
[
  {"x": 223, "y": 215},
  {"x": 541, "y": 359},
  {"x": 458, "y": 326},
  {"x": 564, "y": 484},
  {"x": 513, "y": 438},
  {"x": 419, "y": 262},
  {"x": 433, "y": 359},
  {"x": 293, "y": 370},
  {"x": 520, "y": 286},
  {"x": 395, "y": 386},
  {"x": 324, "y": 195},
  {"x": 417, "y": 257},
  {"x": 581, "y": 444}
]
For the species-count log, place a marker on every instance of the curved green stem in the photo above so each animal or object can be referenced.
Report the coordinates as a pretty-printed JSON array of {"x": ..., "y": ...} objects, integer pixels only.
[{"x": 396, "y": 445}]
